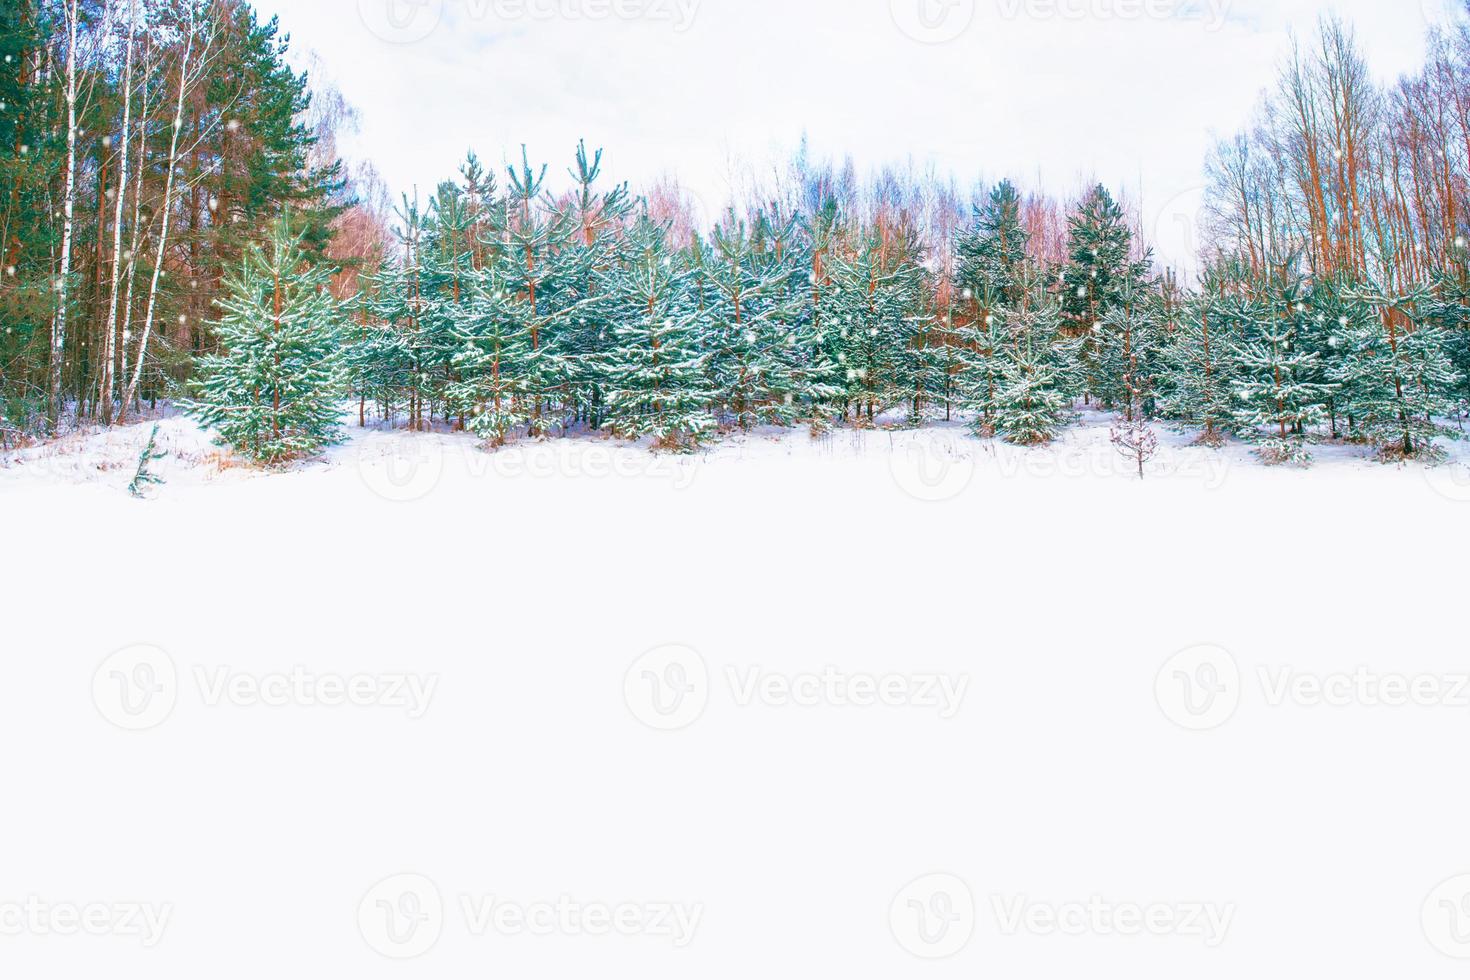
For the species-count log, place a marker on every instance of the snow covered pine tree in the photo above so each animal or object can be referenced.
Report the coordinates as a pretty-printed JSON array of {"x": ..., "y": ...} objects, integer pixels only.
[
  {"x": 274, "y": 392},
  {"x": 654, "y": 377}
]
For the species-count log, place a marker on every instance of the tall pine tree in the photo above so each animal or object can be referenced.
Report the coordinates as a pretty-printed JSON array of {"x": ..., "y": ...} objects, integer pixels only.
[
  {"x": 655, "y": 374},
  {"x": 273, "y": 393}
]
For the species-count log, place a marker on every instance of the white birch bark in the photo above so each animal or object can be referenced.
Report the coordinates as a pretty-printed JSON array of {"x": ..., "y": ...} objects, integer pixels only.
[
  {"x": 111, "y": 340},
  {"x": 69, "y": 204},
  {"x": 136, "y": 243},
  {"x": 168, "y": 207}
]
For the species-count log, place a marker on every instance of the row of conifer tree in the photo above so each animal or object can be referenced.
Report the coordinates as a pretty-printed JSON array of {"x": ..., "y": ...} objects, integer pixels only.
[{"x": 516, "y": 315}]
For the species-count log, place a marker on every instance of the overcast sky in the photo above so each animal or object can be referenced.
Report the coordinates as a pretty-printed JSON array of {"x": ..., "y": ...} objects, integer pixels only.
[{"x": 1043, "y": 91}]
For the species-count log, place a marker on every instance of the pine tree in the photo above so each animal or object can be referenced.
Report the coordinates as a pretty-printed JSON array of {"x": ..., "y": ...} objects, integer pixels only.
[
  {"x": 492, "y": 363},
  {"x": 252, "y": 123},
  {"x": 1124, "y": 348},
  {"x": 273, "y": 392},
  {"x": 1275, "y": 390},
  {"x": 1320, "y": 309},
  {"x": 751, "y": 307},
  {"x": 1397, "y": 380},
  {"x": 597, "y": 245},
  {"x": 1099, "y": 274},
  {"x": 543, "y": 275},
  {"x": 985, "y": 343},
  {"x": 143, "y": 475},
  {"x": 876, "y": 303},
  {"x": 655, "y": 376},
  {"x": 1100, "y": 267},
  {"x": 1032, "y": 400},
  {"x": 1196, "y": 371},
  {"x": 376, "y": 358},
  {"x": 1448, "y": 309},
  {"x": 820, "y": 373},
  {"x": 808, "y": 372},
  {"x": 992, "y": 252},
  {"x": 992, "y": 266},
  {"x": 32, "y": 154},
  {"x": 388, "y": 357}
]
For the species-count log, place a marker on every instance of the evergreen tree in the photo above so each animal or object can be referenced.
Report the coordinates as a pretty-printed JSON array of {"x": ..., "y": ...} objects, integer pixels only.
[
  {"x": 598, "y": 244},
  {"x": 1032, "y": 399},
  {"x": 876, "y": 303},
  {"x": 1196, "y": 370},
  {"x": 390, "y": 360},
  {"x": 1099, "y": 274},
  {"x": 32, "y": 157},
  {"x": 1277, "y": 401},
  {"x": 985, "y": 343},
  {"x": 491, "y": 364},
  {"x": 751, "y": 308},
  {"x": 1100, "y": 267},
  {"x": 143, "y": 475},
  {"x": 1395, "y": 375},
  {"x": 273, "y": 392},
  {"x": 655, "y": 376},
  {"x": 1124, "y": 348},
  {"x": 1448, "y": 308},
  {"x": 808, "y": 372},
  {"x": 992, "y": 252},
  {"x": 251, "y": 120},
  {"x": 544, "y": 277},
  {"x": 1319, "y": 309},
  {"x": 821, "y": 373}
]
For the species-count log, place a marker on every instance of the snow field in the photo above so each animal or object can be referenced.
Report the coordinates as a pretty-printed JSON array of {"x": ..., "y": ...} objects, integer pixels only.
[{"x": 688, "y": 716}]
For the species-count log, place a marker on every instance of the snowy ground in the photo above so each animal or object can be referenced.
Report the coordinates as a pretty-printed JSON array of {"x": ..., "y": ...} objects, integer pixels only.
[
  {"x": 935, "y": 465},
  {"x": 1226, "y": 699}
]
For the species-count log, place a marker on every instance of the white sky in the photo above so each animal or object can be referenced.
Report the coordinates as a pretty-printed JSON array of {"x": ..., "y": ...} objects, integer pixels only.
[{"x": 1043, "y": 91}]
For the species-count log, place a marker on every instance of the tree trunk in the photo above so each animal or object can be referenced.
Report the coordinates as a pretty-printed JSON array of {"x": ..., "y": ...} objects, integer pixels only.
[
  {"x": 167, "y": 205},
  {"x": 69, "y": 204},
  {"x": 111, "y": 339}
]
